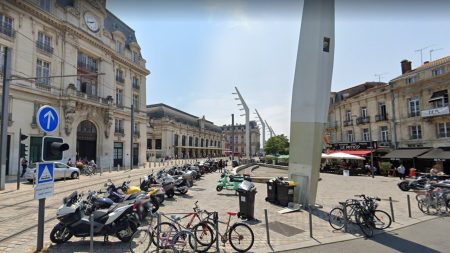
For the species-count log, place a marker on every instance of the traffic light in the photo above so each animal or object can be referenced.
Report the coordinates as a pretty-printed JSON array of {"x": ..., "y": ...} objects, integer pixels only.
[
  {"x": 53, "y": 148},
  {"x": 23, "y": 147}
]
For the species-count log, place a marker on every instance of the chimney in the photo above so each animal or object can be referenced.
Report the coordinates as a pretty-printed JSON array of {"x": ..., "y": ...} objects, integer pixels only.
[{"x": 406, "y": 66}]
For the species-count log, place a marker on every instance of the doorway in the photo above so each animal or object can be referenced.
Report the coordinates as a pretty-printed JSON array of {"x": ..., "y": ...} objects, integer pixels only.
[
  {"x": 135, "y": 154},
  {"x": 87, "y": 141}
]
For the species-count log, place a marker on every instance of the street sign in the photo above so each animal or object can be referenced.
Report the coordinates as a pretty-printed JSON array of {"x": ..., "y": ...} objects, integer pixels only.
[
  {"x": 44, "y": 181},
  {"x": 48, "y": 119}
]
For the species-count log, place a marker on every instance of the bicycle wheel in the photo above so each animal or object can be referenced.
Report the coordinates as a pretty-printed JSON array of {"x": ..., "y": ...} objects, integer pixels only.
[
  {"x": 241, "y": 237},
  {"x": 166, "y": 232},
  {"x": 180, "y": 242},
  {"x": 204, "y": 236},
  {"x": 336, "y": 218},
  {"x": 365, "y": 224},
  {"x": 425, "y": 205},
  {"x": 381, "y": 219},
  {"x": 140, "y": 241}
]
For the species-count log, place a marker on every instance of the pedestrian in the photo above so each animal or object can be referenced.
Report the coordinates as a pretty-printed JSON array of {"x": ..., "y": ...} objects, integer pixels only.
[
  {"x": 220, "y": 166},
  {"x": 24, "y": 166},
  {"x": 401, "y": 171}
]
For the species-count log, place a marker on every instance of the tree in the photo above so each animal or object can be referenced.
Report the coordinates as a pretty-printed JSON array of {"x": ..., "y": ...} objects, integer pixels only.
[{"x": 277, "y": 145}]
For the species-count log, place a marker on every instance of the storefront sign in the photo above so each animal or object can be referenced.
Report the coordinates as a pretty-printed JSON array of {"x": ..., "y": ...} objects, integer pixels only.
[
  {"x": 353, "y": 145},
  {"x": 435, "y": 112}
]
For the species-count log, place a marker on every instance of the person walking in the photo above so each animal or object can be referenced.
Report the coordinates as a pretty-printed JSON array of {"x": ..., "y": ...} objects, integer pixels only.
[
  {"x": 220, "y": 165},
  {"x": 401, "y": 171},
  {"x": 24, "y": 166}
]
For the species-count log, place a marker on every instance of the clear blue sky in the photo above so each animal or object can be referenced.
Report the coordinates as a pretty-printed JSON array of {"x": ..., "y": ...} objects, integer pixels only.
[{"x": 198, "y": 50}]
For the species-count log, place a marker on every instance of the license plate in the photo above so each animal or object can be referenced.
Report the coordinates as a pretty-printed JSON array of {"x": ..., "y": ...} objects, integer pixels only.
[
  {"x": 242, "y": 198},
  {"x": 291, "y": 191}
]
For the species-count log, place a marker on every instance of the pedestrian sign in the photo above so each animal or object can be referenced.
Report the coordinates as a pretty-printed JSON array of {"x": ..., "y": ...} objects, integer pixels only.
[
  {"x": 44, "y": 181},
  {"x": 48, "y": 119}
]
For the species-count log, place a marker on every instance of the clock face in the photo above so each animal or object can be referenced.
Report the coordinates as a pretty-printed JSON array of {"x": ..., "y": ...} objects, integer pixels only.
[{"x": 91, "y": 21}]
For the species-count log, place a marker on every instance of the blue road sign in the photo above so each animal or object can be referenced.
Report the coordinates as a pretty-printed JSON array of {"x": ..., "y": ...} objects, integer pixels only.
[
  {"x": 48, "y": 119},
  {"x": 45, "y": 173}
]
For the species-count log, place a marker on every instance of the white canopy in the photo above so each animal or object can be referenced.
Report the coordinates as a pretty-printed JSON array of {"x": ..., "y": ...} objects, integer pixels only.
[
  {"x": 340, "y": 155},
  {"x": 325, "y": 156}
]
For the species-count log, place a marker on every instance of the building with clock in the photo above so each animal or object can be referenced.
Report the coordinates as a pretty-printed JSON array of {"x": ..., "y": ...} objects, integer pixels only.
[{"x": 88, "y": 65}]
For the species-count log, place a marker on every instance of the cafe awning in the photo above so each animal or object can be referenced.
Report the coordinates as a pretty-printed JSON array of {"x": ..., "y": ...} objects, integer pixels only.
[
  {"x": 406, "y": 153},
  {"x": 352, "y": 152},
  {"x": 436, "y": 153}
]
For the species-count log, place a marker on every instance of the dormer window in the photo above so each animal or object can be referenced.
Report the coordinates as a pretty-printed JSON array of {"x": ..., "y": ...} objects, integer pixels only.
[
  {"x": 411, "y": 79},
  {"x": 119, "y": 47},
  {"x": 438, "y": 71},
  {"x": 135, "y": 56},
  {"x": 44, "y": 4}
]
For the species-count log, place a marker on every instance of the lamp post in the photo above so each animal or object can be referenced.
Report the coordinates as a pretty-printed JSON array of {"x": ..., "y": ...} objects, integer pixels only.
[{"x": 247, "y": 122}]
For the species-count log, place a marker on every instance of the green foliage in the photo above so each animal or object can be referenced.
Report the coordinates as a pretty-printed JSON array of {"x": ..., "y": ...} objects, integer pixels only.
[
  {"x": 385, "y": 167},
  {"x": 277, "y": 145}
]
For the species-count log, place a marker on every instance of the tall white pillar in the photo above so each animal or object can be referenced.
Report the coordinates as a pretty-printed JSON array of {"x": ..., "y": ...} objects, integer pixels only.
[{"x": 310, "y": 96}]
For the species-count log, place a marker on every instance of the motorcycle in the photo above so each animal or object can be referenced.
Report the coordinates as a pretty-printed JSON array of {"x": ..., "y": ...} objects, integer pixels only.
[
  {"x": 156, "y": 192},
  {"x": 117, "y": 195},
  {"x": 417, "y": 184},
  {"x": 172, "y": 185},
  {"x": 120, "y": 220},
  {"x": 230, "y": 182}
]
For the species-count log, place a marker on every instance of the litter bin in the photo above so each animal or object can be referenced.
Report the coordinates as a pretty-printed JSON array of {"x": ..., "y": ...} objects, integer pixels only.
[
  {"x": 271, "y": 191},
  {"x": 346, "y": 173},
  {"x": 247, "y": 192},
  {"x": 285, "y": 192}
]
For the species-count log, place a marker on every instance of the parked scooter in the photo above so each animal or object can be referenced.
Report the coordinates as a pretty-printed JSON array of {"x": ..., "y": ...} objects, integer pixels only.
[
  {"x": 117, "y": 195},
  {"x": 230, "y": 182},
  {"x": 417, "y": 184},
  {"x": 169, "y": 183},
  {"x": 120, "y": 221}
]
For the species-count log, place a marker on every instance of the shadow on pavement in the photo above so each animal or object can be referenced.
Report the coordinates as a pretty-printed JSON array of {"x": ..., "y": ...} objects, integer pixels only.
[{"x": 400, "y": 244}]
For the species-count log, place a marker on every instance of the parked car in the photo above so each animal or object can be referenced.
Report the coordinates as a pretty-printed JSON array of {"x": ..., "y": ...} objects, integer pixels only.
[{"x": 60, "y": 170}]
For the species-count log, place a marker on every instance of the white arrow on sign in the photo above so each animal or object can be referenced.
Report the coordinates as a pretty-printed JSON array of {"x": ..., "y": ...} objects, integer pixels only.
[{"x": 50, "y": 117}]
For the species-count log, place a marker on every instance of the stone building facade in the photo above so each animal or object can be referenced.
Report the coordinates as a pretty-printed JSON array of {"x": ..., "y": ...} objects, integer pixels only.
[
  {"x": 410, "y": 114},
  {"x": 239, "y": 139},
  {"x": 103, "y": 73},
  {"x": 173, "y": 133}
]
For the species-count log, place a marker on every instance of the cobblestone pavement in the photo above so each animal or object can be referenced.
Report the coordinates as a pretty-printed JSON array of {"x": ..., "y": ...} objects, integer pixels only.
[{"x": 332, "y": 189}]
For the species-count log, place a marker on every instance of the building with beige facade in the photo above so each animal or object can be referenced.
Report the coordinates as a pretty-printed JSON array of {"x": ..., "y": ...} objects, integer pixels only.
[
  {"x": 88, "y": 67},
  {"x": 239, "y": 139},
  {"x": 173, "y": 133},
  {"x": 410, "y": 116}
]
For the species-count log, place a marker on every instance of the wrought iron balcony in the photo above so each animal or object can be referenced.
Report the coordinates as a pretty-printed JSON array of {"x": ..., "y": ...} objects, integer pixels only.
[
  {"x": 7, "y": 30},
  {"x": 44, "y": 47},
  {"x": 381, "y": 117},
  {"x": 413, "y": 114},
  {"x": 362, "y": 120},
  {"x": 136, "y": 86},
  {"x": 89, "y": 67},
  {"x": 120, "y": 79},
  {"x": 119, "y": 131},
  {"x": 348, "y": 123},
  {"x": 385, "y": 143}
]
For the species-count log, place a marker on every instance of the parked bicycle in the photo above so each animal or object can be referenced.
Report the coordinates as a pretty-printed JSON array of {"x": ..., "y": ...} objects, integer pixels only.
[
  {"x": 363, "y": 212},
  {"x": 433, "y": 200}
]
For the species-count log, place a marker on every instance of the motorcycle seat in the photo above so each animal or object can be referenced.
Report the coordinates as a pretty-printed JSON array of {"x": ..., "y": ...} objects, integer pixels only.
[{"x": 100, "y": 213}]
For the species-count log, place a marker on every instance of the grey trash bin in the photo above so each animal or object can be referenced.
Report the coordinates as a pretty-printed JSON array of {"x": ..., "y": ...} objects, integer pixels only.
[{"x": 247, "y": 192}]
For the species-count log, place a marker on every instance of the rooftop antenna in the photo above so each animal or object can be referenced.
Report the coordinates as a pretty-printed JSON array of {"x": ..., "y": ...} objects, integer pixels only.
[
  {"x": 421, "y": 52},
  {"x": 432, "y": 50},
  {"x": 380, "y": 75}
]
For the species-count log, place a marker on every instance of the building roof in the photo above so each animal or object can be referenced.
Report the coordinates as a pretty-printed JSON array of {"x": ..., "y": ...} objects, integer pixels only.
[
  {"x": 161, "y": 110},
  {"x": 426, "y": 65},
  {"x": 113, "y": 23},
  {"x": 253, "y": 125},
  {"x": 356, "y": 90}
]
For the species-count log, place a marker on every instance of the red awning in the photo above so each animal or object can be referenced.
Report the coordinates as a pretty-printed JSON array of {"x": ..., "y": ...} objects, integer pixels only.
[{"x": 352, "y": 152}]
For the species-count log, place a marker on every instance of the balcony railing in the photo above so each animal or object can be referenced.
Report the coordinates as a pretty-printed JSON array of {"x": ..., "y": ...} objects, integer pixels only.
[
  {"x": 136, "y": 86},
  {"x": 415, "y": 137},
  {"x": 87, "y": 66},
  {"x": 43, "y": 84},
  {"x": 348, "y": 123},
  {"x": 44, "y": 47},
  {"x": 381, "y": 117},
  {"x": 7, "y": 30},
  {"x": 119, "y": 131},
  {"x": 413, "y": 114},
  {"x": 331, "y": 125},
  {"x": 362, "y": 120},
  {"x": 433, "y": 112},
  {"x": 120, "y": 79}
]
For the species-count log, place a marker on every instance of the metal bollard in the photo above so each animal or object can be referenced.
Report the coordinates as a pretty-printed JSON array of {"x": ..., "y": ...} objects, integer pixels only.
[
  {"x": 91, "y": 243},
  {"x": 216, "y": 224},
  {"x": 140, "y": 180},
  {"x": 345, "y": 218},
  {"x": 158, "y": 217},
  {"x": 445, "y": 203},
  {"x": 392, "y": 209},
  {"x": 409, "y": 205},
  {"x": 267, "y": 226},
  {"x": 64, "y": 175},
  {"x": 110, "y": 168},
  {"x": 101, "y": 170},
  {"x": 310, "y": 222},
  {"x": 117, "y": 168}
]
